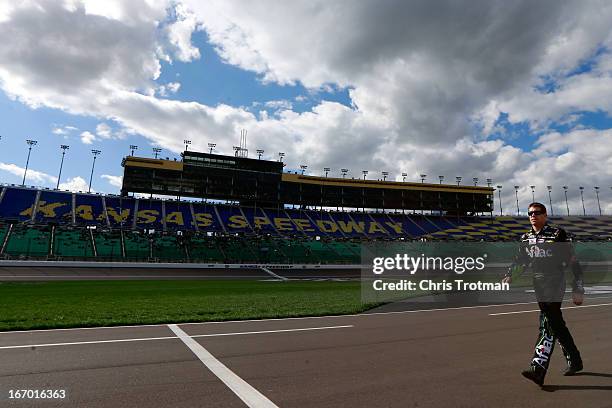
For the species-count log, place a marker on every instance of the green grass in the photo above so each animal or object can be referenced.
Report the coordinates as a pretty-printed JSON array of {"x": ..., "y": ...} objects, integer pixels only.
[{"x": 45, "y": 305}]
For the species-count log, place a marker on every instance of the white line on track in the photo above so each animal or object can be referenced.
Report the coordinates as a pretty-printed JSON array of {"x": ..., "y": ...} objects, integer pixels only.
[
  {"x": 75, "y": 343},
  {"x": 274, "y": 331},
  {"x": 249, "y": 395},
  {"x": 274, "y": 275},
  {"x": 537, "y": 310}
]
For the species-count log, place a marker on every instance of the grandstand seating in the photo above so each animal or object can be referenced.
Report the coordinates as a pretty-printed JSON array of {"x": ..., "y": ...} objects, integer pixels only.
[
  {"x": 108, "y": 244},
  {"x": 204, "y": 249},
  {"x": 179, "y": 216},
  {"x": 3, "y": 231},
  {"x": 120, "y": 211},
  {"x": 49, "y": 224},
  {"x": 54, "y": 207},
  {"x": 137, "y": 245},
  {"x": 206, "y": 219},
  {"x": 168, "y": 248},
  {"x": 149, "y": 215},
  {"x": 72, "y": 243},
  {"x": 28, "y": 242},
  {"x": 259, "y": 221},
  {"x": 17, "y": 204},
  {"x": 295, "y": 250},
  {"x": 89, "y": 210},
  {"x": 345, "y": 252},
  {"x": 237, "y": 250}
]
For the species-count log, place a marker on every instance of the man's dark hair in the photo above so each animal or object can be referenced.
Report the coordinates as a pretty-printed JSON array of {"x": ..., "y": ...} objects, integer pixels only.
[{"x": 539, "y": 206}]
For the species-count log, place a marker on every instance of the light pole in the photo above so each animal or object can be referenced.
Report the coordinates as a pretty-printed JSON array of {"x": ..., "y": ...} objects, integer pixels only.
[
  {"x": 489, "y": 182},
  {"x": 280, "y": 156},
  {"x": 566, "y": 204},
  {"x": 423, "y": 177},
  {"x": 552, "y": 211},
  {"x": 441, "y": 178},
  {"x": 132, "y": 148},
  {"x": 236, "y": 150},
  {"x": 157, "y": 151},
  {"x": 212, "y": 146},
  {"x": 501, "y": 209},
  {"x": 344, "y": 171},
  {"x": 187, "y": 143},
  {"x": 326, "y": 170},
  {"x": 95, "y": 155},
  {"x": 259, "y": 153},
  {"x": 516, "y": 189},
  {"x": 582, "y": 199},
  {"x": 458, "y": 179},
  {"x": 475, "y": 180},
  {"x": 303, "y": 167},
  {"x": 404, "y": 175},
  {"x": 30, "y": 144},
  {"x": 597, "y": 194},
  {"x": 365, "y": 173},
  {"x": 532, "y": 193},
  {"x": 385, "y": 174},
  {"x": 64, "y": 148}
]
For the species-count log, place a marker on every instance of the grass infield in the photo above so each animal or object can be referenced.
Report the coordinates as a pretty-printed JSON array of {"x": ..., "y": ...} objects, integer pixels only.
[{"x": 46, "y": 305}]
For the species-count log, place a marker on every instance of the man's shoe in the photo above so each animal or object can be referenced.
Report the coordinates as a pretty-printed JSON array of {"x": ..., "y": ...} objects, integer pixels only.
[
  {"x": 535, "y": 374},
  {"x": 573, "y": 368}
]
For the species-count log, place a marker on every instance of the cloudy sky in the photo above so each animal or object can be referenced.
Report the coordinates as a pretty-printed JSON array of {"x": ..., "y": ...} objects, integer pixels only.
[{"x": 519, "y": 92}]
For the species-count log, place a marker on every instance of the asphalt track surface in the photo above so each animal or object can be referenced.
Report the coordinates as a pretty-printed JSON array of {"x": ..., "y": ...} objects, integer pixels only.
[{"x": 390, "y": 357}]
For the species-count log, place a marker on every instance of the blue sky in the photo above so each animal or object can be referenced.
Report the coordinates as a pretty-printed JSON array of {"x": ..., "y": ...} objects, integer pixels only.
[
  {"x": 334, "y": 86},
  {"x": 208, "y": 81}
]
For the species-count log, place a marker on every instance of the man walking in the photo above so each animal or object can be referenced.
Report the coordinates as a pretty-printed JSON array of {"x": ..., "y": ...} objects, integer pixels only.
[{"x": 548, "y": 251}]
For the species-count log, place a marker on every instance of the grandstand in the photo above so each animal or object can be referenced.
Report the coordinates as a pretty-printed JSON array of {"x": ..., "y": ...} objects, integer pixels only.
[
  {"x": 57, "y": 225},
  {"x": 262, "y": 183}
]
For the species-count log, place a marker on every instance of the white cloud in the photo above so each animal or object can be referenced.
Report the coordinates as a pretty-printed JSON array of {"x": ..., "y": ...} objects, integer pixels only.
[
  {"x": 61, "y": 130},
  {"x": 104, "y": 131},
  {"x": 33, "y": 176},
  {"x": 75, "y": 184},
  {"x": 42, "y": 179},
  {"x": 115, "y": 181},
  {"x": 279, "y": 104},
  {"x": 588, "y": 92},
  {"x": 421, "y": 77},
  {"x": 169, "y": 88},
  {"x": 87, "y": 137},
  {"x": 179, "y": 34},
  {"x": 173, "y": 86},
  {"x": 73, "y": 57}
]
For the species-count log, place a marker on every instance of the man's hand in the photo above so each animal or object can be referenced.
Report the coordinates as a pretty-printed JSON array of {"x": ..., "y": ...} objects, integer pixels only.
[
  {"x": 578, "y": 298},
  {"x": 507, "y": 279}
]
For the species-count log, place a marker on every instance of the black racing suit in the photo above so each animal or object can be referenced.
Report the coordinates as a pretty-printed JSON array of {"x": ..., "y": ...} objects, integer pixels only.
[{"x": 548, "y": 252}]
